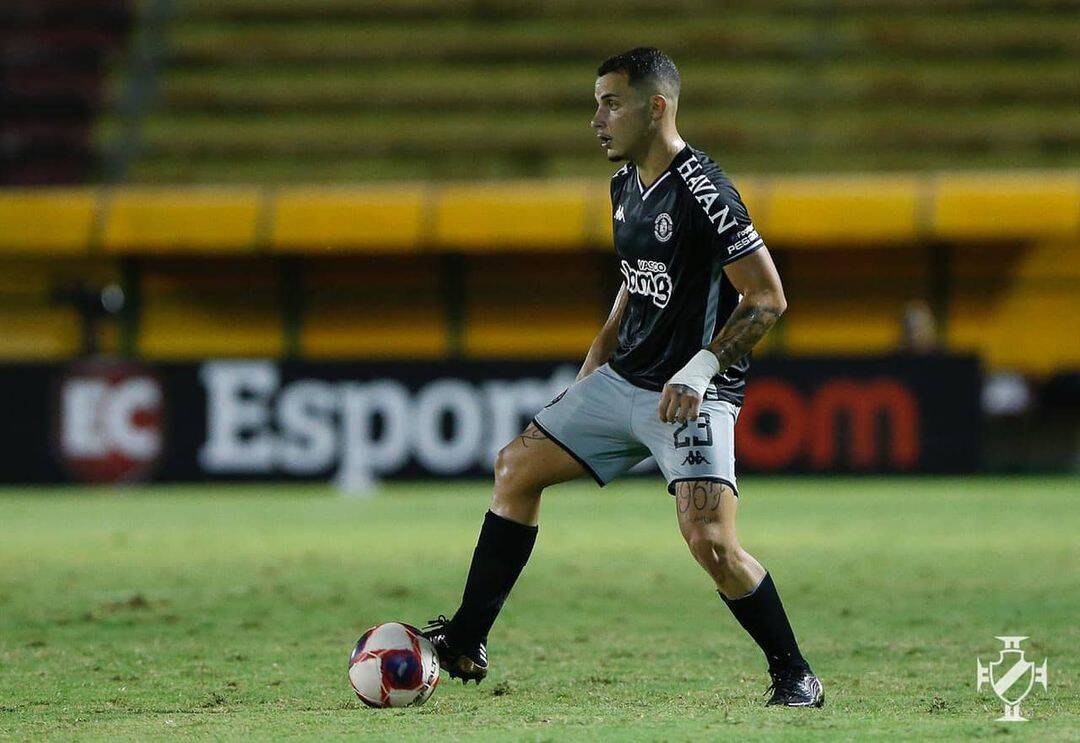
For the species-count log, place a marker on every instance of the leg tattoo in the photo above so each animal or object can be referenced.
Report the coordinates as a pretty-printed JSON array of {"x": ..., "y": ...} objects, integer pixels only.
[
  {"x": 706, "y": 497},
  {"x": 531, "y": 433}
]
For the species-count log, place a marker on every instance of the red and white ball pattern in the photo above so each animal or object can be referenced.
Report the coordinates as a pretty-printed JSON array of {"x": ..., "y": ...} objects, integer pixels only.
[{"x": 393, "y": 665}]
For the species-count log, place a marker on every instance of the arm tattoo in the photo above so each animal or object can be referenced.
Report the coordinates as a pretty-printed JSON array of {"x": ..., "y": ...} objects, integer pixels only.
[{"x": 746, "y": 326}]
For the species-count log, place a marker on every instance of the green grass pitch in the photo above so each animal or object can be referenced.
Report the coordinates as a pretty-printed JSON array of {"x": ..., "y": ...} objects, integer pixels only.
[{"x": 229, "y": 612}]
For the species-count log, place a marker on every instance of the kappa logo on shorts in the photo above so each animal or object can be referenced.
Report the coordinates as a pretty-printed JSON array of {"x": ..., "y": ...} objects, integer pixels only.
[{"x": 695, "y": 457}]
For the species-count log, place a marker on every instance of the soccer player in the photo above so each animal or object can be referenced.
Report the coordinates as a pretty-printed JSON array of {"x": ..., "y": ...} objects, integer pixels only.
[{"x": 664, "y": 376}]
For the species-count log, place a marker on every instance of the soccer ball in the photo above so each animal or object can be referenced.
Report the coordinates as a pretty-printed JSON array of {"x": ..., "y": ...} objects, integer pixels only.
[{"x": 393, "y": 665}]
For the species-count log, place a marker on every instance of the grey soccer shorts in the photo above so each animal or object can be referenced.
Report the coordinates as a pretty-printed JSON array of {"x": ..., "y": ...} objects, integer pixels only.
[{"x": 608, "y": 425}]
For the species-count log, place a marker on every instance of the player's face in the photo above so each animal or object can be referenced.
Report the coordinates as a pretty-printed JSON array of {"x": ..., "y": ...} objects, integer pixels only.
[{"x": 622, "y": 117}]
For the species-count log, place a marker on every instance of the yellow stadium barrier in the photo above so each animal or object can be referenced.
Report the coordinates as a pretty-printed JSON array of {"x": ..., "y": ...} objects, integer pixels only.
[
  {"x": 511, "y": 216},
  {"x": 180, "y": 220},
  {"x": 810, "y": 211},
  {"x": 372, "y": 219},
  {"x": 816, "y": 211},
  {"x": 1006, "y": 206},
  {"x": 46, "y": 221}
]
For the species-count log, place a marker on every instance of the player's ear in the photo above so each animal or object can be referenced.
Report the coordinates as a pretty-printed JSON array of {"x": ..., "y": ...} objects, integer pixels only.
[{"x": 658, "y": 107}]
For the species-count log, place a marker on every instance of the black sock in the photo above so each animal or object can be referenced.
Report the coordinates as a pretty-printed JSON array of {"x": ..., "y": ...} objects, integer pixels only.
[
  {"x": 762, "y": 615},
  {"x": 501, "y": 552}
]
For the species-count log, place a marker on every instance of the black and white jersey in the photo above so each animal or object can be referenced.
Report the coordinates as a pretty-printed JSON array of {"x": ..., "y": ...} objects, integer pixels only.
[{"x": 673, "y": 239}]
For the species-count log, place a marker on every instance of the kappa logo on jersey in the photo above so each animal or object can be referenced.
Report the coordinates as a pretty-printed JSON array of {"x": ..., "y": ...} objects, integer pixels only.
[
  {"x": 663, "y": 227},
  {"x": 649, "y": 279},
  {"x": 619, "y": 214}
]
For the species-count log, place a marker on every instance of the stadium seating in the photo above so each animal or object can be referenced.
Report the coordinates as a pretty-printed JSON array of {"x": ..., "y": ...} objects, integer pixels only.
[
  {"x": 361, "y": 90},
  {"x": 53, "y": 58}
]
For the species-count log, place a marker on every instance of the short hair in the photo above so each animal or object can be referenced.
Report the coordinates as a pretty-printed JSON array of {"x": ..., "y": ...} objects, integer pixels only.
[{"x": 647, "y": 65}]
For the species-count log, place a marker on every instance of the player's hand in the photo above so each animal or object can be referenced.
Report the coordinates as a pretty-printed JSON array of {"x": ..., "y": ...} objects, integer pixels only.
[
  {"x": 679, "y": 403},
  {"x": 681, "y": 398}
]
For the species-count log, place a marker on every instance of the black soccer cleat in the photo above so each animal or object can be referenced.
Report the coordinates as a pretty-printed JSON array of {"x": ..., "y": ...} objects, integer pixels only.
[
  {"x": 468, "y": 664},
  {"x": 795, "y": 687}
]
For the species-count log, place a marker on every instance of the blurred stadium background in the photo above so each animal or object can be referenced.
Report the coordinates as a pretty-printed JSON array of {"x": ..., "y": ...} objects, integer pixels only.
[
  {"x": 305, "y": 181},
  {"x": 346, "y": 240}
]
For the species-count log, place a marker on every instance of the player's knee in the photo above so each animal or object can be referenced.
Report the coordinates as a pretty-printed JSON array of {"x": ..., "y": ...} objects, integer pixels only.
[
  {"x": 717, "y": 555},
  {"x": 511, "y": 473},
  {"x": 728, "y": 558},
  {"x": 701, "y": 546},
  {"x": 506, "y": 465}
]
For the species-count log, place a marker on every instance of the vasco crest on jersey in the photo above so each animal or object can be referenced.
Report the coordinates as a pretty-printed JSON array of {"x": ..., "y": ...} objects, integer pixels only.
[{"x": 663, "y": 227}]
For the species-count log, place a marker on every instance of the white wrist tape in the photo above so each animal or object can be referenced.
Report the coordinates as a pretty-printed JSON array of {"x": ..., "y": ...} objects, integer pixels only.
[{"x": 698, "y": 372}]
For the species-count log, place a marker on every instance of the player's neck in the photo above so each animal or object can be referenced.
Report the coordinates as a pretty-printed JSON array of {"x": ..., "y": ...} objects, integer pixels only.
[{"x": 658, "y": 157}]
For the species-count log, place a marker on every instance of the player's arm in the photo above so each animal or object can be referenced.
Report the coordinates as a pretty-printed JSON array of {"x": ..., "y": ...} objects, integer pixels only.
[
  {"x": 763, "y": 302},
  {"x": 607, "y": 339}
]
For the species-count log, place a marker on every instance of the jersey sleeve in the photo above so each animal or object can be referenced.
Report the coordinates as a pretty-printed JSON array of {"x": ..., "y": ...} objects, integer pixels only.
[
  {"x": 733, "y": 234},
  {"x": 729, "y": 233}
]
